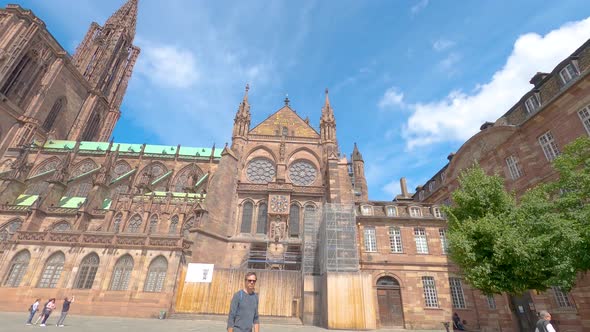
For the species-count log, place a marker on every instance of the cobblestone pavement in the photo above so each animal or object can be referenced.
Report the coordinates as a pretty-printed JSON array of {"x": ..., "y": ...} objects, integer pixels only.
[{"x": 14, "y": 322}]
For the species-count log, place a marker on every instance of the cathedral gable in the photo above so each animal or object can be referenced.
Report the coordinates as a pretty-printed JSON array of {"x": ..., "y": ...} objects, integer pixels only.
[{"x": 285, "y": 121}]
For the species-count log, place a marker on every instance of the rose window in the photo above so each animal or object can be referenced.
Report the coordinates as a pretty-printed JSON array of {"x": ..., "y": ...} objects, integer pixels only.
[
  {"x": 302, "y": 173},
  {"x": 260, "y": 170}
]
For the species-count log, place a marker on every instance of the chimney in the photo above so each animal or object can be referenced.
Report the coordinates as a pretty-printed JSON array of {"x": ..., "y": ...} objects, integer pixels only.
[
  {"x": 404, "y": 186},
  {"x": 538, "y": 78}
]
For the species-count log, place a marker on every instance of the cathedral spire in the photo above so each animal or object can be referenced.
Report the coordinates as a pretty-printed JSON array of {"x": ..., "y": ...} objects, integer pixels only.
[
  {"x": 125, "y": 17},
  {"x": 328, "y": 122},
  {"x": 242, "y": 119},
  {"x": 356, "y": 155}
]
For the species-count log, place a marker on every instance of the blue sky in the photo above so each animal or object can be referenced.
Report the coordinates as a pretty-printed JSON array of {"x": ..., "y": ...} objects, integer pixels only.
[{"x": 409, "y": 81}]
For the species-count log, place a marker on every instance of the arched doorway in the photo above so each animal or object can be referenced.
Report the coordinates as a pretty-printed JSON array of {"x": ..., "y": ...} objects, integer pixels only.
[{"x": 389, "y": 300}]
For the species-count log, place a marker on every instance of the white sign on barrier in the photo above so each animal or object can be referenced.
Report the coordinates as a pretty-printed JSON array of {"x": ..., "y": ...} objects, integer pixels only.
[{"x": 198, "y": 272}]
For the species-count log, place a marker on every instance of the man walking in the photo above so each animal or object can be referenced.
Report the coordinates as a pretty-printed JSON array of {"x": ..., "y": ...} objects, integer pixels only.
[
  {"x": 243, "y": 311},
  {"x": 544, "y": 323},
  {"x": 32, "y": 311},
  {"x": 64, "y": 311}
]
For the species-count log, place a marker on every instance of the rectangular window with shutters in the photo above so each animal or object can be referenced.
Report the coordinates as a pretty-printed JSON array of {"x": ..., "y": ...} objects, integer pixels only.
[
  {"x": 430, "y": 295},
  {"x": 370, "y": 240},
  {"x": 457, "y": 295},
  {"x": 549, "y": 146},
  {"x": 421, "y": 241},
  {"x": 395, "y": 240},
  {"x": 584, "y": 114},
  {"x": 513, "y": 167}
]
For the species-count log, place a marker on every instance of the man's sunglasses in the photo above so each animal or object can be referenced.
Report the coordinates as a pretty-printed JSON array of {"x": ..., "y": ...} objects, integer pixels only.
[{"x": 251, "y": 280}]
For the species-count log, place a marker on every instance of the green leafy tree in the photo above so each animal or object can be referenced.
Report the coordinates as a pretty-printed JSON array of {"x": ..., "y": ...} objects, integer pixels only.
[{"x": 502, "y": 246}]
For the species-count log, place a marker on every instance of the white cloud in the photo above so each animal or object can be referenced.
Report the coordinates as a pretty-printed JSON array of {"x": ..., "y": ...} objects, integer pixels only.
[
  {"x": 459, "y": 115},
  {"x": 419, "y": 6},
  {"x": 167, "y": 65},
  {"x": 442, "y": 44},
  {"x": 391, "y": 98},
  {"x": 448, "y": 64}
]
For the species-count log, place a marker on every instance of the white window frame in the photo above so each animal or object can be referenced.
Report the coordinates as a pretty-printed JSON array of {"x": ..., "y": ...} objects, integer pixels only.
[
  {"x": 513, "y": 167},
  {"x": 421, "y": 240},
  {"x": 491, "y": 302},
  {"x": 415, "y": 211},
  {"x": 366, "y": 210},
  {"x": 561, "y": 297},
  {"x": 431, "y": 185},
  {"x": 436, "y": 212},
  {"x": 532, "y": 104},
  {"x": 442, "y": 233},
  {"x": 457, "y": 295},
  {"x": 421, "y": 195},
  {"x": 395, "y": 240},
  {"x": 370, "y": 237},
  {"x": 391, "y": 211},
  {"x": 584, "y": 115},
  {"x": 568, "y": 73},
  {"x": 430, "y": 294},
  {"x": 550, "y": 149}
]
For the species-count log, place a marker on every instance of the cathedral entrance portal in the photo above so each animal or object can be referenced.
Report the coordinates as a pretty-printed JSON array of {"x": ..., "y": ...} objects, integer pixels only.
[{"x": 389, "y": 300}]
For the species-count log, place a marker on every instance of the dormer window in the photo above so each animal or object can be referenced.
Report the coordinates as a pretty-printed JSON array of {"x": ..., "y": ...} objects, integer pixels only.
[
  {"x": 415, "y": 211},
  {"x": 421, "y": 195},
  {"x": 367, "y": 210},
  {"x": 532, "y": 104},
  {"x": 568, "y": 73},
  {"x": 431, "y": 185},
  {"x": 436, "y": 212},
  {"x": 391, "y": 211}
]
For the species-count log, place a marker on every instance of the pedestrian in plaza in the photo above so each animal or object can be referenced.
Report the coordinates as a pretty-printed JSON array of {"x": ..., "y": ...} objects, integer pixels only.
[
  {"x": 64, "y": 311},
  {"x": 544, "y": 322},
  {"x": 32, "y": 310},
  {"x": 47, "y": 310},
  {"x": 457, "y": 324},
  {"x": 243, "y": 311},
  {"x": 42, "y": 315}
]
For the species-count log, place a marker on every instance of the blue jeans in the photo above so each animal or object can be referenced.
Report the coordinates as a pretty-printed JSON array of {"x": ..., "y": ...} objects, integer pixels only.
[{"x": 31, "y": 315}]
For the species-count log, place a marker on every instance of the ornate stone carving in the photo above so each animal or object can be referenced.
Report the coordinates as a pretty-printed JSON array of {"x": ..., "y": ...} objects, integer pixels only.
[
  {"x": 278, "y": 228},
  {"x": 260, "y": 170},
  {"x": 279, "y": 204},
  {"x": 302, "y": 173}
]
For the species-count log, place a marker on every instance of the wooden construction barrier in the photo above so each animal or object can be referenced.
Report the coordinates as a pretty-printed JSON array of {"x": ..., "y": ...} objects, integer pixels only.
[{"x": 279, "y": 292}]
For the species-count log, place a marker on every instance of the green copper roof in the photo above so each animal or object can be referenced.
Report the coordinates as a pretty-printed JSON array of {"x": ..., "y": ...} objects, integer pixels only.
[
  {"x": 26, "y": 200},
  {"x": 106, "y": 203},
  {"x": 126, "y": 175},
  {"x": 41, "y": 174},
  {"x": 84, "y": 174},
  {"x": 178, "y": 195},
  {"x": 201, "y": 180},
  {"x": 170, "y": 150},
  {"x": 167, "y": 174},
  {"x": 71, "y": 202}
]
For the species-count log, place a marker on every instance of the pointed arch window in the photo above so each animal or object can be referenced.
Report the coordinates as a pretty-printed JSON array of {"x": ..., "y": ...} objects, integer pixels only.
[
  {"x": 9, "y": 229},
  {"x": 53, "y": 113},
  {"x": 134, "y": 224},
  {"x": 40, "y": 186},
  {"x": 117, "y": 222},
  {"x": 173, "y": 225},
  {"x": 92, "y": 127},
  {"x": 154, "y": 224},
  {"x": 87, "y": 272},
  {"x": 52, "y": 271},
  {"x": 294, "y": 220},
  {"x": 156, "y": 275},
  {"x": 247, "y": 217},
  {"x": 261, "y": 220},
  {"x": 122, "y": 273},
  {"x": 16, "y": 270},
  {"x": 62, "y": 226},
  {"x": 187, "y": 226}
]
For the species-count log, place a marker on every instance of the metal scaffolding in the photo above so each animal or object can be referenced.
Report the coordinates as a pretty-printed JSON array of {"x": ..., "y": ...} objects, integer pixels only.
[
  {"x": 337, "y": 247},
  {"x": 311, "y": 223}
]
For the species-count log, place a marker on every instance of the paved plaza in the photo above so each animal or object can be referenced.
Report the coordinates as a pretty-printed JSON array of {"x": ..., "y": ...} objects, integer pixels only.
[{"x": 14, "y": 322}]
